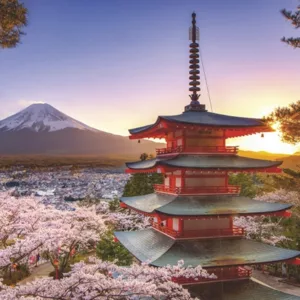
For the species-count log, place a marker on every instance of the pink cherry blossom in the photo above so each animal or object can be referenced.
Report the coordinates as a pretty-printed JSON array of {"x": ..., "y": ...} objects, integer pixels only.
[{"x": 104, "y": 280}]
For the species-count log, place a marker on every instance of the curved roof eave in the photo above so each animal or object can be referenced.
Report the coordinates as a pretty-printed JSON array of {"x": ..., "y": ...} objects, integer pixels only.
[
  {"x": 209, "y": 119},
  {"x": 141, "y": 129},
  {"x": 160, "y": 250},
  {"x": 205, "y": 162},
  {"x": 206, "y": 205}
]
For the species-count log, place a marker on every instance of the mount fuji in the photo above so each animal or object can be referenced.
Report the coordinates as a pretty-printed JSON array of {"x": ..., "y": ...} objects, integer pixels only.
[
  {"x": 41, "y": 117},
  {"x": 42, "y": 129}
]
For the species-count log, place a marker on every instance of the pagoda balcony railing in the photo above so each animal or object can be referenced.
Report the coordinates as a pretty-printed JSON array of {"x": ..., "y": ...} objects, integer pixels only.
[
  {"x": 230, "y": 189},
  {"x": 200, "y": 233},
  {"x": 198, "y": 149},
  {"x": 222, "y": 274},
  {"x": 177, "y": 149}
]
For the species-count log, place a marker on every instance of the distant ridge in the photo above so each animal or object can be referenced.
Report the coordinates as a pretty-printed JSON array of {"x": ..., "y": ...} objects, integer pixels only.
[
  {"x": 263, "y": 155},
  {"x": 42, "y": 129},
  {"x": 289, "y": 161}
]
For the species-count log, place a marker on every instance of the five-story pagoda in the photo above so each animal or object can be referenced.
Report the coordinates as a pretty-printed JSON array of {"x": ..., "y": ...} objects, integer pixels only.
[{"x": 193, "y": 209}]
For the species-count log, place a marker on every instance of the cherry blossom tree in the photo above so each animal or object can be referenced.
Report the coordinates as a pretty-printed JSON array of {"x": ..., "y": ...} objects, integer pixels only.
[
  {"x": 281, "y": 195},
  {"x": 32, "y": 228},
  {"x": 264, "y": 228},
  {"x": 28, "y": 227},
  {"x": 19, "y": 217},
  {"x": 103, "y": 280},
  {"x": 124, "y": 219},
  {"x": 127, "y": 221},
  {"x": 261, "y": 229}
]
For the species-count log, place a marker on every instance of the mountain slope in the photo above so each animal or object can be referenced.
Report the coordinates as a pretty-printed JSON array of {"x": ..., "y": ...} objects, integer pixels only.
[
  {"x": 263, "y": 155},
  {"x": 71, "y": 141},
  {"x": 289, "y": 161},
  {"x": 41, "y": 117},
  {"x": 42, "y": 129}
]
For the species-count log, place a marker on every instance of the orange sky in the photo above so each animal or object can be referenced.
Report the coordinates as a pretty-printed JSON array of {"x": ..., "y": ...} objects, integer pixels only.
[{"x": 119, "y": 64}]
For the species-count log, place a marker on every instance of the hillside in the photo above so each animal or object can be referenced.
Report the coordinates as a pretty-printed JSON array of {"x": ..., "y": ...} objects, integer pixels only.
[
  {"x": 289, "y": 161},
  {"x": 42, "y": 129}
]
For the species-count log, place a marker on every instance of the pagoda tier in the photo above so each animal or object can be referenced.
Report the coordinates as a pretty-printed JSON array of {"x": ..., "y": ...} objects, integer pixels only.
[
  {"x": 202, "y": 206},
  {"x": 202, "y": 121},
  {"x": 159, "y": 250},
  {"x": 190, "y": 163},
  {"x": 198, "y": 217}
]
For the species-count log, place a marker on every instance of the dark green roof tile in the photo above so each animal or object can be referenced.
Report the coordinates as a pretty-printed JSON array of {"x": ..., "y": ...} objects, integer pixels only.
[
  {"x": 160, "y": 250},
  {"x": 232, "y": 162},
  {"x": 204, "y": 118},
  {"x": 208, "y": 205},
  {"x": 145, "y": 245},
  {"x": 148, "y": 203}
]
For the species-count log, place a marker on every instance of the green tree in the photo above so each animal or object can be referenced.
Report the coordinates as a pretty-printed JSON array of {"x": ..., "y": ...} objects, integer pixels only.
[
  {"x": 108, "y": 250},
  {"x": 249, "y": 183},
  {"x": 285, "y": 181},
  {"x": 142, "y": 184},
  {"x": 294, "y": 18},
  {"x": 288, "y": 121},
  {"x": 13, "y": 17},
  {"x": 114, "y": 205},
  {"x": 144, "y": 156}
]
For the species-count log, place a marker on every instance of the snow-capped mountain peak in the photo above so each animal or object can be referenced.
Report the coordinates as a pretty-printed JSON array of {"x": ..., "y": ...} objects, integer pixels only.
[{"x": 41, "y": 117}]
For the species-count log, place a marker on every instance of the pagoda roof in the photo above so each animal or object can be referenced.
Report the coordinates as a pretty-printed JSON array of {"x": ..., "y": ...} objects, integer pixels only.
[
  {"x": 205, "y": 118},
  {"x": 246, "y": 290},
  {"x": 160, "y": 250},
  {"x": 228, "y": 162},
  {"x": 208, "y": 205}
]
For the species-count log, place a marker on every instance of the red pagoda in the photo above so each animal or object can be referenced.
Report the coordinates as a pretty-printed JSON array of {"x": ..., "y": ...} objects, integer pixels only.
[{"x": 193, "y": 209}]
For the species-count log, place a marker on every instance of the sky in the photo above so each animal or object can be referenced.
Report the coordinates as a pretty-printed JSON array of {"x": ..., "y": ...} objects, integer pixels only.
[{"x": 118, "y": 64}]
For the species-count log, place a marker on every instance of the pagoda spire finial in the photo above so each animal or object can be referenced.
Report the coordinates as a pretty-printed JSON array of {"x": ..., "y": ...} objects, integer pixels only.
[{"x": 194, "y": 67}]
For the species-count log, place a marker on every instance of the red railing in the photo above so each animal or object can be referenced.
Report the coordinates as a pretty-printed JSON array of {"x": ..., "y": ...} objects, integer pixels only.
[
  {"x": 235, "y": 231},
  {"x": 198, "y": 149},
  {"x": 177, "y": 149},
  {"x": 244, "y": 272},
  {"x": 222, "y": 274},
  {"x": 231, "y": 189}
]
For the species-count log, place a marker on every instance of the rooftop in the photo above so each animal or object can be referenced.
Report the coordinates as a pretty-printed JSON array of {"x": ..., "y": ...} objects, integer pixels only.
[
  {"x": 208, "y": 205},
  {"x": 205, "y": 118},
  {"x": 160, "y": 250},
  {"x": 228, "y": 162}
]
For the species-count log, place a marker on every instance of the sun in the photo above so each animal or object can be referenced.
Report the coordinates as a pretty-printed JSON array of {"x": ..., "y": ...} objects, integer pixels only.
[
  {"x": 269, "y": 142},
  {"x": 276, "y": 126}
]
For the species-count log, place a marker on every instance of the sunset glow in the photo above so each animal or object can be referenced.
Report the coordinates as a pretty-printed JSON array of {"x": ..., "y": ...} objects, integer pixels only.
[
  {"x": 142, "y": 152},
  {"x": 113, "y": 84},
  {"x": 270, "y": 142}
]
